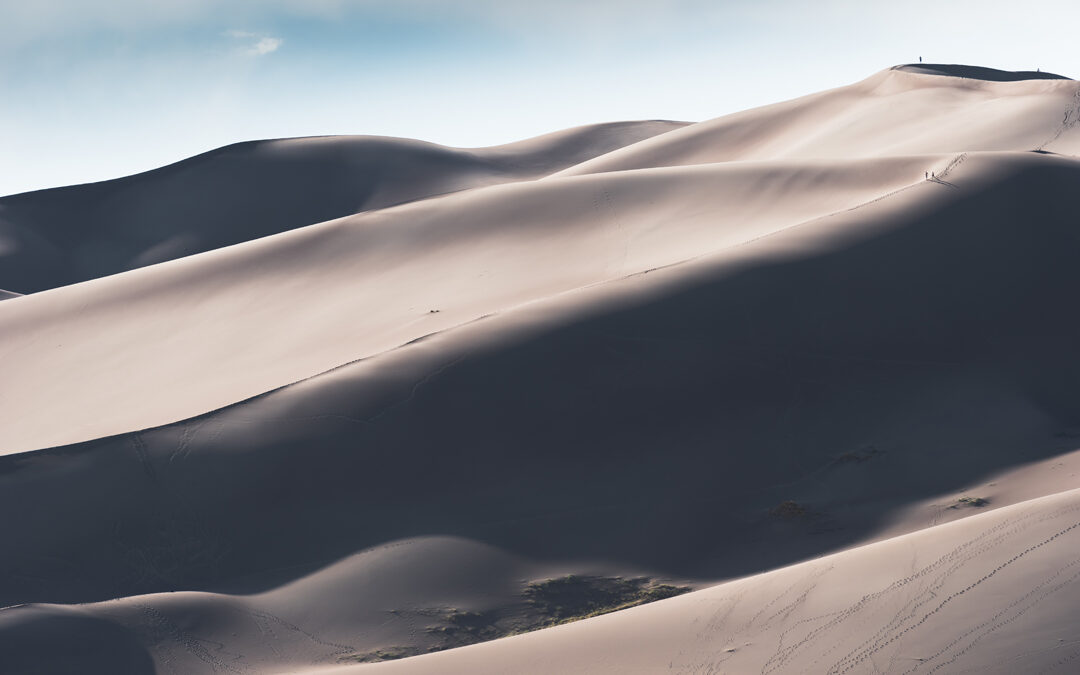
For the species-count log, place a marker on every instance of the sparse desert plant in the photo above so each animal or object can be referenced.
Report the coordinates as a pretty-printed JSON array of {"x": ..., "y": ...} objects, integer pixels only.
[
  {"x": 387, "y": 654},
  {"x": 572, "y": 598},
  {"x": 463, "y": 628},
  {"x": 788, "y": 509},
  {"x": 858, "y": 456},
  {"x": 969, "y": 501},
  {"x": 548, "y": 602}
]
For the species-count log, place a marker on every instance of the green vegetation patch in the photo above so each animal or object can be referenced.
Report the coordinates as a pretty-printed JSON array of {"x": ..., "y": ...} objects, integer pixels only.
[
  {"x": 570, "y": 598},
  {"x": 465, "y": 628},
  {"x": 976, "y": 502},
  {"x": 543, "y": 603},
  {"x": 387, "y": 654},
  {"x": 788, "y": 510}
]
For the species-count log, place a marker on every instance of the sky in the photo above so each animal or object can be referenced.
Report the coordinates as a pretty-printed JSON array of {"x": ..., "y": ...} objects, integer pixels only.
[{"x": 95, "y": 90}]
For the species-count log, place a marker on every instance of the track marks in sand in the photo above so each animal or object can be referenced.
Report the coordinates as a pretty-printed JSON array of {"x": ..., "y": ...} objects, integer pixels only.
[
  {"x": 1069, "y": 120},
  {"x": 187, "y": 435},
  {"x": 265, "y": 622},
  {"x": 998, "y": 621},
  {"x": 164, "y": 629},
  {"x": 842, "y": 667},
  {"x": 141, "y": 451},
  {"x": 912, "y": 603}
]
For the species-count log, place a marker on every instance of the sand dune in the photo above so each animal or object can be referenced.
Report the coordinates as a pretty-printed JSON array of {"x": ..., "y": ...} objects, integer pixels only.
[
  {"x": 991, "y": 594},
  {"x": 977, "y": 72},
  {"x": 895, "y": 112},
  {"x": 263, "y": 314},
  {"x": 249, "y": 190},
  {"x": 708, "y": 355}
]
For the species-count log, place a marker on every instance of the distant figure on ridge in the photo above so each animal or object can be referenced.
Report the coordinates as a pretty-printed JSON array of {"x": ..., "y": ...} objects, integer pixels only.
[
  {"x": 925, "y": 175},
  {"x": 920, "y": 59}
]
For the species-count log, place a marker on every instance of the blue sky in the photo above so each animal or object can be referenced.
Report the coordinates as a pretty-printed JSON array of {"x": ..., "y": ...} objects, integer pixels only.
[{"x": 94, "y": 90}]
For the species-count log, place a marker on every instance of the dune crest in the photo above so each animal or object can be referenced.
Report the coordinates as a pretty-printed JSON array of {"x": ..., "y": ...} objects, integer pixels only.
[
  {"x": 250, "y": 190},
  {"x": 977, "y": 72}
]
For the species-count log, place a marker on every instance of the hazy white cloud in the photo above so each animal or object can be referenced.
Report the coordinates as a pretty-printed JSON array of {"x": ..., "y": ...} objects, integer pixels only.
[
  {"x": 22, "y": 23},
  {"x": 256, "y": 45},
  {"x": 265, "y": 45}
]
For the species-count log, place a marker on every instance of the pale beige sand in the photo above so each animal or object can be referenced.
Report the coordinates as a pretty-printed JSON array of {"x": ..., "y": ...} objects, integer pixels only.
[
  {"x": 262, "y": 314},
  {"x": 249, "y": 318},
  {"x": 626, "y": 372},
  {"x": 892, "y": 113},
  {"x": 62, "y": 236},
  {"x": 990, "y": 594}
]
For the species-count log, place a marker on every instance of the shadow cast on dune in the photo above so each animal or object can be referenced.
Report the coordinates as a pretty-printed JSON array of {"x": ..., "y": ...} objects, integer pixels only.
[
  {"x": 977, "y": 72},
  {"x": 658, "y": 430},
  {"x": 57, "y": 641},
  {"x": 255, "y": 189}
]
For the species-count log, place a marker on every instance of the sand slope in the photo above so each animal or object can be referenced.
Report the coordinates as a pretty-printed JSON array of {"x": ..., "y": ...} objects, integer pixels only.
[
  {"x": 895, "y": 112},
  {"x": 682, "y": 372},
  {"x": 266, "y": 313},
  {"x": 62, "y": 236},
  {"x": 473, "y": 253},
  {"x": 663, "y": 458},
  {"x": 991, "y": 594}
]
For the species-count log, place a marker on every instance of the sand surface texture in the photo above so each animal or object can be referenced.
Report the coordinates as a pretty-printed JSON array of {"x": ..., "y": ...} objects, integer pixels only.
[{"x": 349, "y": 405}]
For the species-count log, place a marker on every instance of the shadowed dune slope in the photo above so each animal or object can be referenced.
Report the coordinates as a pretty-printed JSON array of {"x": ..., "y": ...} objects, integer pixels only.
[
  {"x": 653, "y": 424},
  {"x": 62, "y": 641},
  {"x": 977, "y": 72},
  {"x": 252, "y": 317},
  {"x": 990, "y": 594},
  {"x": 894, "y": 112},
  {"x": 249, "y": 190}
]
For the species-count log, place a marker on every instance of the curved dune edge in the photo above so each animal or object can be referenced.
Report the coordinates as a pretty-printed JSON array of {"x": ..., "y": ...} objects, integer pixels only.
[
  {"x": 963, "y": 594},
  {"x": 414, "y": 441},
  {"x": 890, "y": 113},
  {"x": 245, "y": 191},
  {"x": 246, "y": 319},
  {"x": 993, "y": 593},
  {"x": 252, "y": 317},
  {"x": 977, "y": 72}
]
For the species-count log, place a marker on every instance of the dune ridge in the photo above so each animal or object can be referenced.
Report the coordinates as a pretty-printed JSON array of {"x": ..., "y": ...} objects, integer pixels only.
[
  {"x": 222, "y": 299},
  {"x": 978, "y": 72},
  {"x": 249, "y": 190},
  {"x": 763, "y": 357},
  {"x": 994, "y": 592}
]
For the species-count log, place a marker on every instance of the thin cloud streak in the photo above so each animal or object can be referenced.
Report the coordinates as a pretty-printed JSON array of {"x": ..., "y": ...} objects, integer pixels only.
[
  {"x": 258, "y": 45},
  {"x": 265, "y": 46}
]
